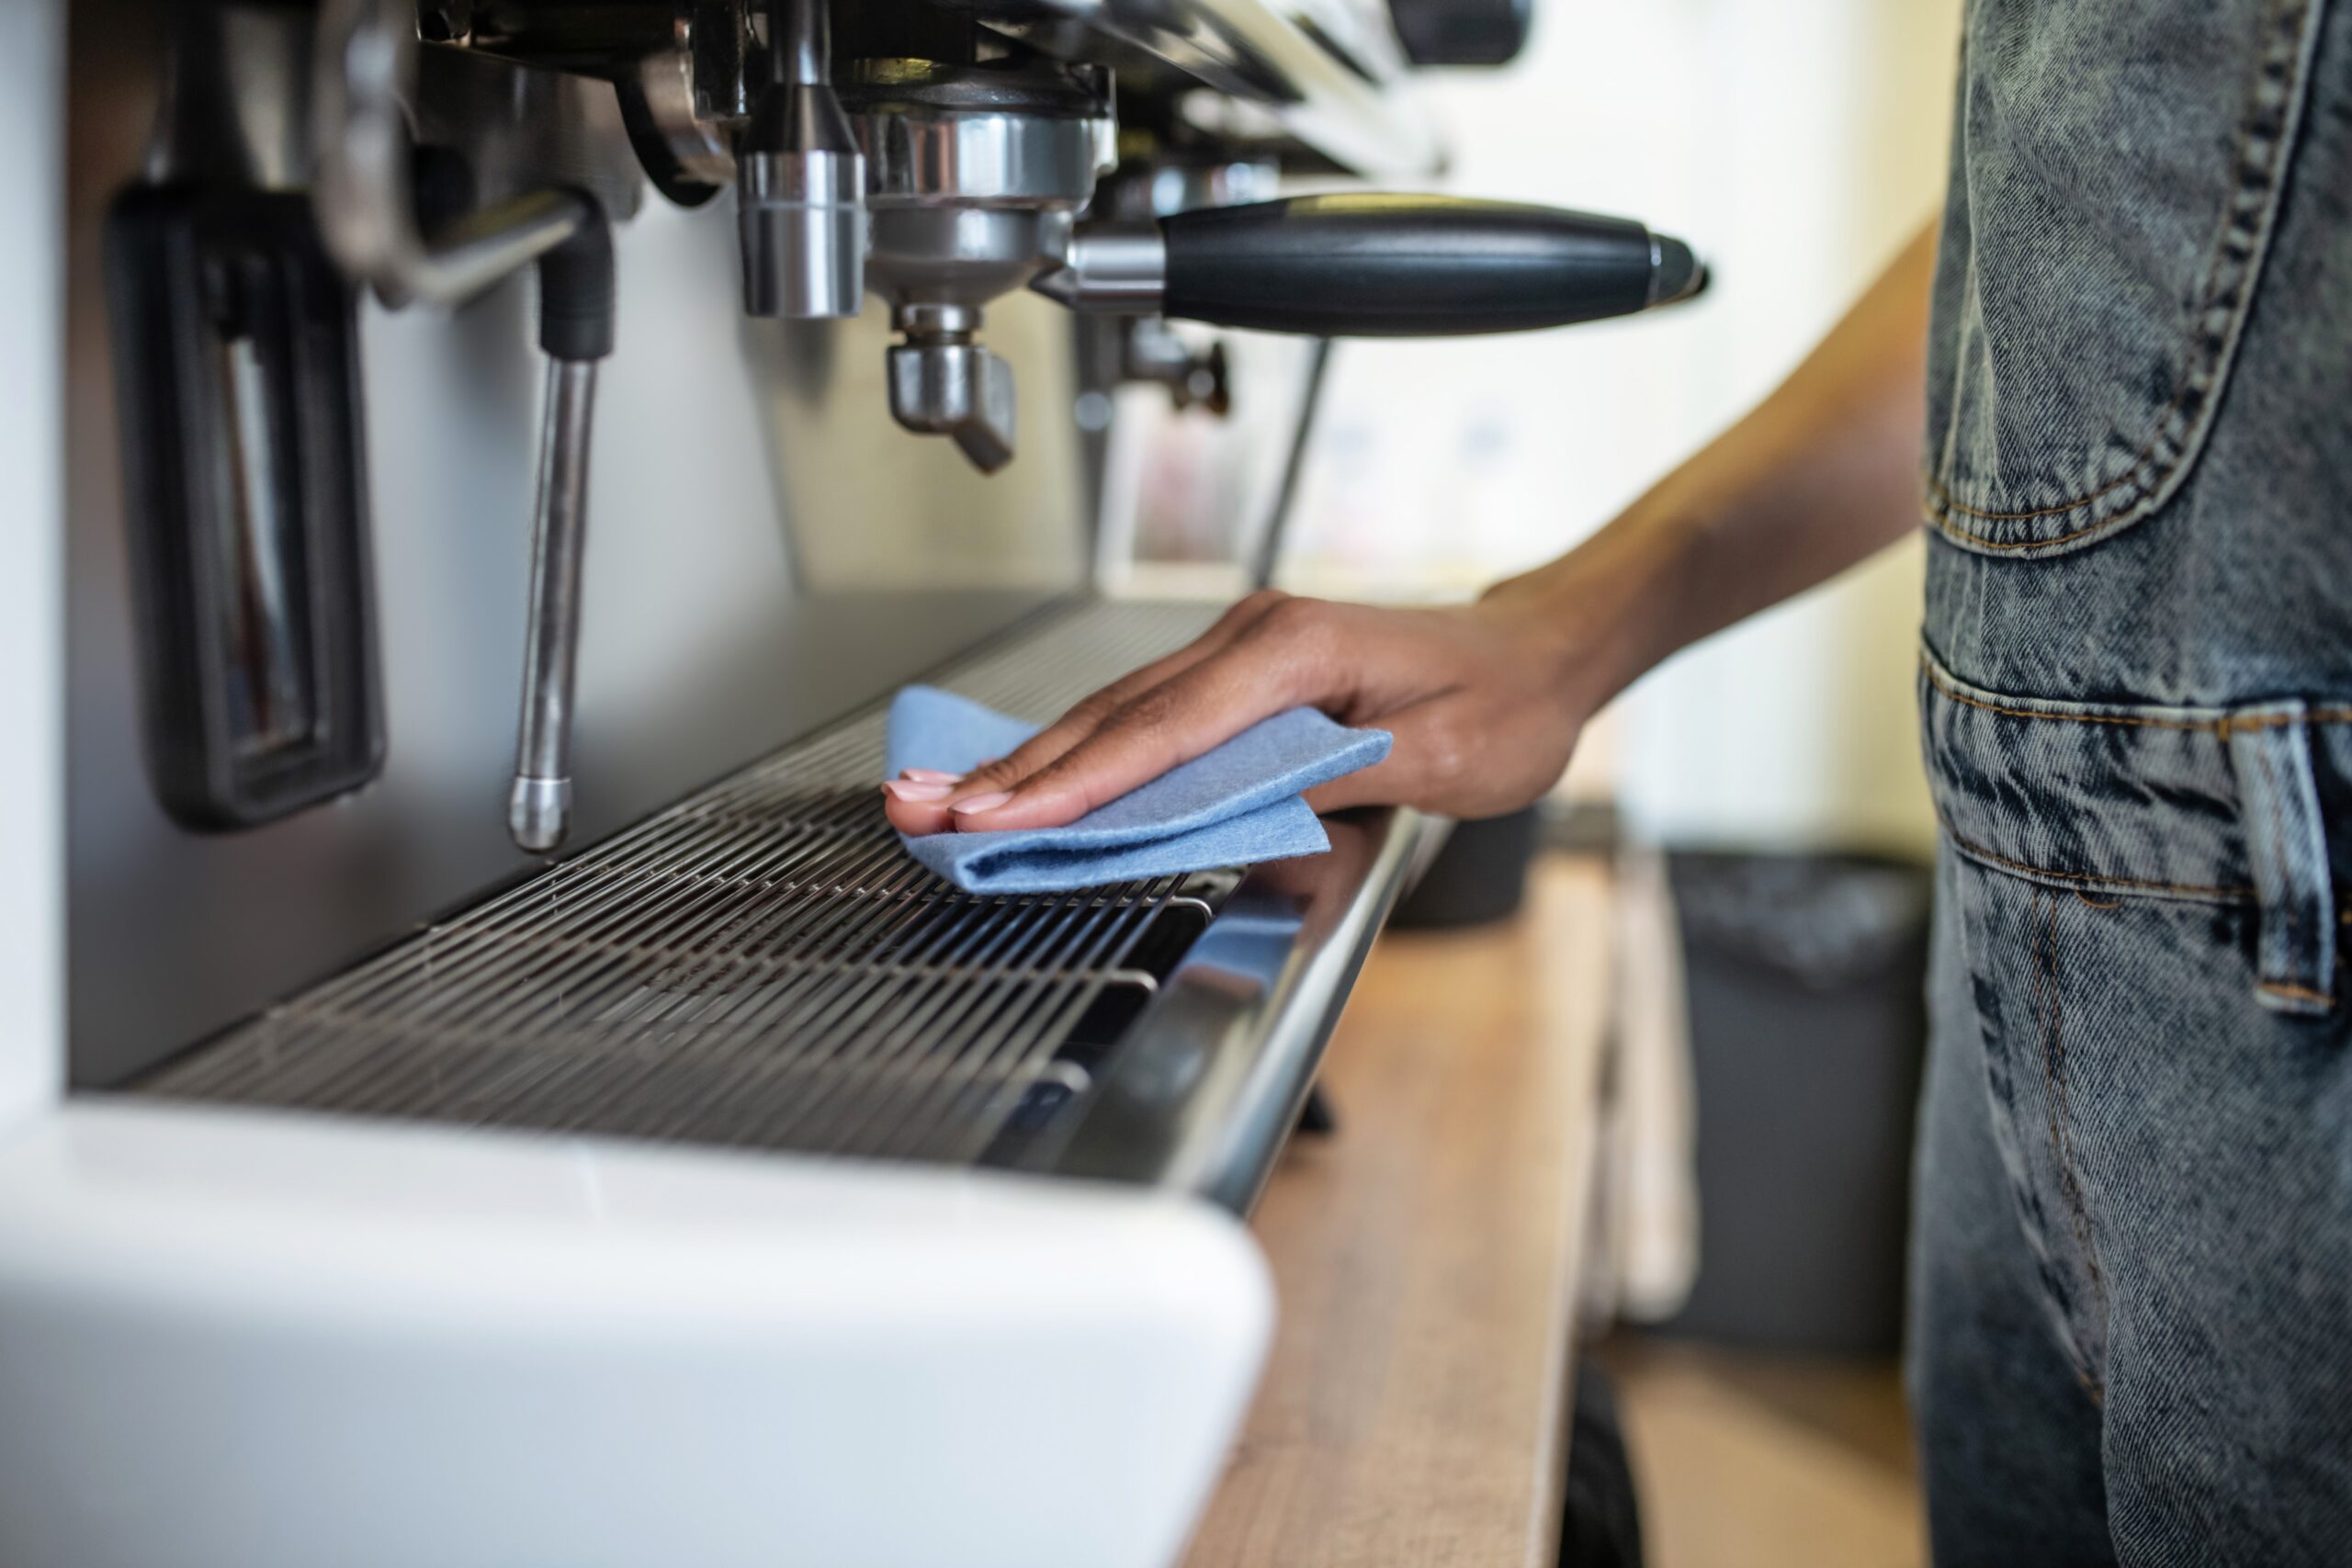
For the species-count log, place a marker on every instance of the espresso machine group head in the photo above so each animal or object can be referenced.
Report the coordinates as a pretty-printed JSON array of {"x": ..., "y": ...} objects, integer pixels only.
[
  {"x": 939, "y": 155},
  {"x": 938, "y": 185},
  {"x": 946, "y": 184}
]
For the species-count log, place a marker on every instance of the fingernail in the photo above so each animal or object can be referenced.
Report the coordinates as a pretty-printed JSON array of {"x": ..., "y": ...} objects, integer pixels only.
[
  {"x": 915, "y": 789},
  {"x": 981, "y": 803},
  {"x": 929, "y": 775}
]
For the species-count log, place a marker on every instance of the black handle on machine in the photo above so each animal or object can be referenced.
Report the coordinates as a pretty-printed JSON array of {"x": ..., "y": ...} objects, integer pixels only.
[{"x": 1373, "y": 265}]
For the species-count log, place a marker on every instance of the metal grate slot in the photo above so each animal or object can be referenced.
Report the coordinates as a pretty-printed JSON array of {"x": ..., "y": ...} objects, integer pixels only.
[{"x": 759, "y": 965}]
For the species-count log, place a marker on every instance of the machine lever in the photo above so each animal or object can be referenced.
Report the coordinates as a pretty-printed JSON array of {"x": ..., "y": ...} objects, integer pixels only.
[
  {"x": 576, "y": 287},
  {"x": 1370, "y": 265},
  {"x": 1375, "y": 265}
]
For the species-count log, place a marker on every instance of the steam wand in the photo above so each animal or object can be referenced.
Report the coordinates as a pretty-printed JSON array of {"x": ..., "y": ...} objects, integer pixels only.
[{"x": 576, "y": 287}]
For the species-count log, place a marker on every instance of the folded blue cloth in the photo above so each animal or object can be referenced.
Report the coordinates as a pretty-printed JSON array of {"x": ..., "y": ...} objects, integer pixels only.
[{"x": 1237, "y": 804}]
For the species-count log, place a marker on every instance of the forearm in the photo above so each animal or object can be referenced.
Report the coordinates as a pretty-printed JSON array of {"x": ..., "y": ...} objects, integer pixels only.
[{"x": 1822, "y": 474}]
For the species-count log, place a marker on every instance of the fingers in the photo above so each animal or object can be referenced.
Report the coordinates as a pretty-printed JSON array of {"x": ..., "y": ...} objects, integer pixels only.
[
  {"x": 921, "y": 812},
  {"x": 1477, "y": 728},
  {"x": 1054, "y": 740},
  {"x": 1254, "y": 677}
]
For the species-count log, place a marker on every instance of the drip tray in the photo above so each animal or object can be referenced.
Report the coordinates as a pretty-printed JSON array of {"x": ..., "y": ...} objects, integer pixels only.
[
  {"x": 760, "y": 966},
  {"x": 763, "y": 966}
]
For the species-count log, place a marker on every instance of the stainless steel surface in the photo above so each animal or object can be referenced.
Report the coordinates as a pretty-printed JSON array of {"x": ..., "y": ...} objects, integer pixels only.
[
  {"x": 538, "y": 811},
  {"x": 967, "y": 203},
  {"x": 761, "y": 965},
  {"x": 984, "y": 157},
  {"x": 804, "y": 228},
  {"x": 771, "y": 551},
  {"x": 538, "y": 808},
  {"x": 949, "y": 386},
  {"x": 1210, "y": 1080},
  {"x": 1332, "y": 87},
  {"x": 764, "y": 944},
  {"x": 1178, "y": 183},
  {"x": 696, "y": 145},
  {"x": 237, "y": 104},
  {"x": 800, "y": 182},
  {"x": 959, "y": 254},
  {"x": 751, "y": 500},
  {"x": 262, "y": 643},
  {"x": 366, "y": 78},
  {"x": 1117, "y": 268}
]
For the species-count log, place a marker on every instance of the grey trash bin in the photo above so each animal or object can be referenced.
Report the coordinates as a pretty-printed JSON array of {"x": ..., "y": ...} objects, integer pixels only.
[{"x": 1808, "y": 1026}]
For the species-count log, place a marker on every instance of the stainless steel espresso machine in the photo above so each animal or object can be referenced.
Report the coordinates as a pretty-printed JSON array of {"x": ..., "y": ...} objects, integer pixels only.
[{"x": 464, "y": 1118}]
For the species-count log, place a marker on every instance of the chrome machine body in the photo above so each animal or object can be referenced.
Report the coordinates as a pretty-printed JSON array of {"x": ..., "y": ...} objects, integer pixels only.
[{"x": 455, "y": 1118}]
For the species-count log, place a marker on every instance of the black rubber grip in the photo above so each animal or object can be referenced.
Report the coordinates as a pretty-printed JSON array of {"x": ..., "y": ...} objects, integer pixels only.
[
  {"x": 576, "y": 292},
  {"x": 1370, "y": 265}
]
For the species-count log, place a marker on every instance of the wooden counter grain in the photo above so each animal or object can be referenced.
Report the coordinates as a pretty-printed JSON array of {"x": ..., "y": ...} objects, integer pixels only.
[{"x": 1412, "y": 1410}]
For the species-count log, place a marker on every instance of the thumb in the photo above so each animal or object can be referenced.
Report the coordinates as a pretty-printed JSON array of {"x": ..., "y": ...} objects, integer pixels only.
[{"x": 1421, "y": 743}]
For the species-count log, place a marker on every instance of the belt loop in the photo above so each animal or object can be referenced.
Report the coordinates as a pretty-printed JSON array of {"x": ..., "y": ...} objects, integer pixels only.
[{"x": 2286, "y": 840}]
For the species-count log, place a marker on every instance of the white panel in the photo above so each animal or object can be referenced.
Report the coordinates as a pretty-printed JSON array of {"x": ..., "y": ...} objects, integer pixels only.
[
  {"x": 247, "y": 1340},
  {"x": 32, "y": 826}
]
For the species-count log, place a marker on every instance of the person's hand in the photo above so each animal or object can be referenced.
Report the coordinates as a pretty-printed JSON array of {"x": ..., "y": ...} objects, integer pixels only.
[{"x": 1482, "y": 700}]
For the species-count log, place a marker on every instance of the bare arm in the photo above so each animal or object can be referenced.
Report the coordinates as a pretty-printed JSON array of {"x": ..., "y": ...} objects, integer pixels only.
[
  {"x": 1820, "y": 475},
  {"x": 1486, "y": 700}
]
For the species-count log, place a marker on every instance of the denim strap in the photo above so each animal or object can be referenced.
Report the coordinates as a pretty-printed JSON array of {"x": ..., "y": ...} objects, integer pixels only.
[{"x": 2286, "y": 848}]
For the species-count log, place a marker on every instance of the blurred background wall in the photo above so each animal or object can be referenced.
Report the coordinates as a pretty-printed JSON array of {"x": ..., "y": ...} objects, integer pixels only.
[{"x": 1800, "y": 143}]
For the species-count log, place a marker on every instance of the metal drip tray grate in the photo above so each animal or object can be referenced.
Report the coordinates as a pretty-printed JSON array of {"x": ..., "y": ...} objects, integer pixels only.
[{"x": 759, "y": 965}]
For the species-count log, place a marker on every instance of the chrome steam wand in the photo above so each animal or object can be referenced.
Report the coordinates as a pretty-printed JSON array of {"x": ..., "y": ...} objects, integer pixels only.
[{"x": 576, "y": 332}]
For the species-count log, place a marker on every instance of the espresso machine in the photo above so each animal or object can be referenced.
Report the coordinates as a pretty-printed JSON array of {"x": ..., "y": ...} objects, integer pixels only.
[{"x": 452, "y": 1116}]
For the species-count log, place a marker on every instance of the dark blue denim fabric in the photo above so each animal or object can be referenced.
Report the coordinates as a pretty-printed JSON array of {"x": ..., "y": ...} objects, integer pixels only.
[{"x": 2132, "y": 1289}]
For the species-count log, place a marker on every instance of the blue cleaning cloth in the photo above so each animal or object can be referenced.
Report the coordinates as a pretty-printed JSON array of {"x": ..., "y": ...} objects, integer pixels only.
[{"x": 1231, "y": 807}]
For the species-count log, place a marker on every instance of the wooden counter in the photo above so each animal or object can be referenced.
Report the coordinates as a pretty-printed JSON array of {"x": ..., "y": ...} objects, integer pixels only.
[{"x": 1426, "y": 1254}]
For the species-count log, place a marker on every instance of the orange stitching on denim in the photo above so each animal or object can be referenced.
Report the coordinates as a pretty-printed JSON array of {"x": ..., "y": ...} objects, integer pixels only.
[
  {"x": 2221, "y": 727},
  {"x": 2300, "y": 993},
  {"x": 1984, "y": 855},
  {"x": 1944, "y": 498},
  {"x": 2268, "y": 175},
  {"x": 2094, "y": 904},
  {"x": 1943, "y": 684},
  {"x": 2199, "y": 725},
  {"x": 1986, "y": 541}
]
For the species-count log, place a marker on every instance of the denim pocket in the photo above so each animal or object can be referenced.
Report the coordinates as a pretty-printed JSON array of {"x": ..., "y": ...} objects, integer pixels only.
[
  {"x": 2109, "y": 801},
  {"x": 2116, "y": 172}
]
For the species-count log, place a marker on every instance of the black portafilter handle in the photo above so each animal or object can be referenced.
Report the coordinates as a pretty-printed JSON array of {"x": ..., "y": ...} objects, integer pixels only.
[{"x": 1372, "y": 265}]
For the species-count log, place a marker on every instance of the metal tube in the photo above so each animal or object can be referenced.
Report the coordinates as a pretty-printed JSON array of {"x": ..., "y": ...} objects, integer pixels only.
[
  {"x": 1117, "y": 268},
  {"x": 539, "y": 810},
  {"x": 1267, "y": 556},
  {"x": 800, "y": 181},
  {"x": 804, "y": 49},
  {"x": 366, "y": 66}
]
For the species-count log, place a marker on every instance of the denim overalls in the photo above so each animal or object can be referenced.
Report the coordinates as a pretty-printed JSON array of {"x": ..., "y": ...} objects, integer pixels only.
[{"x": 2131, "y": 1316}]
